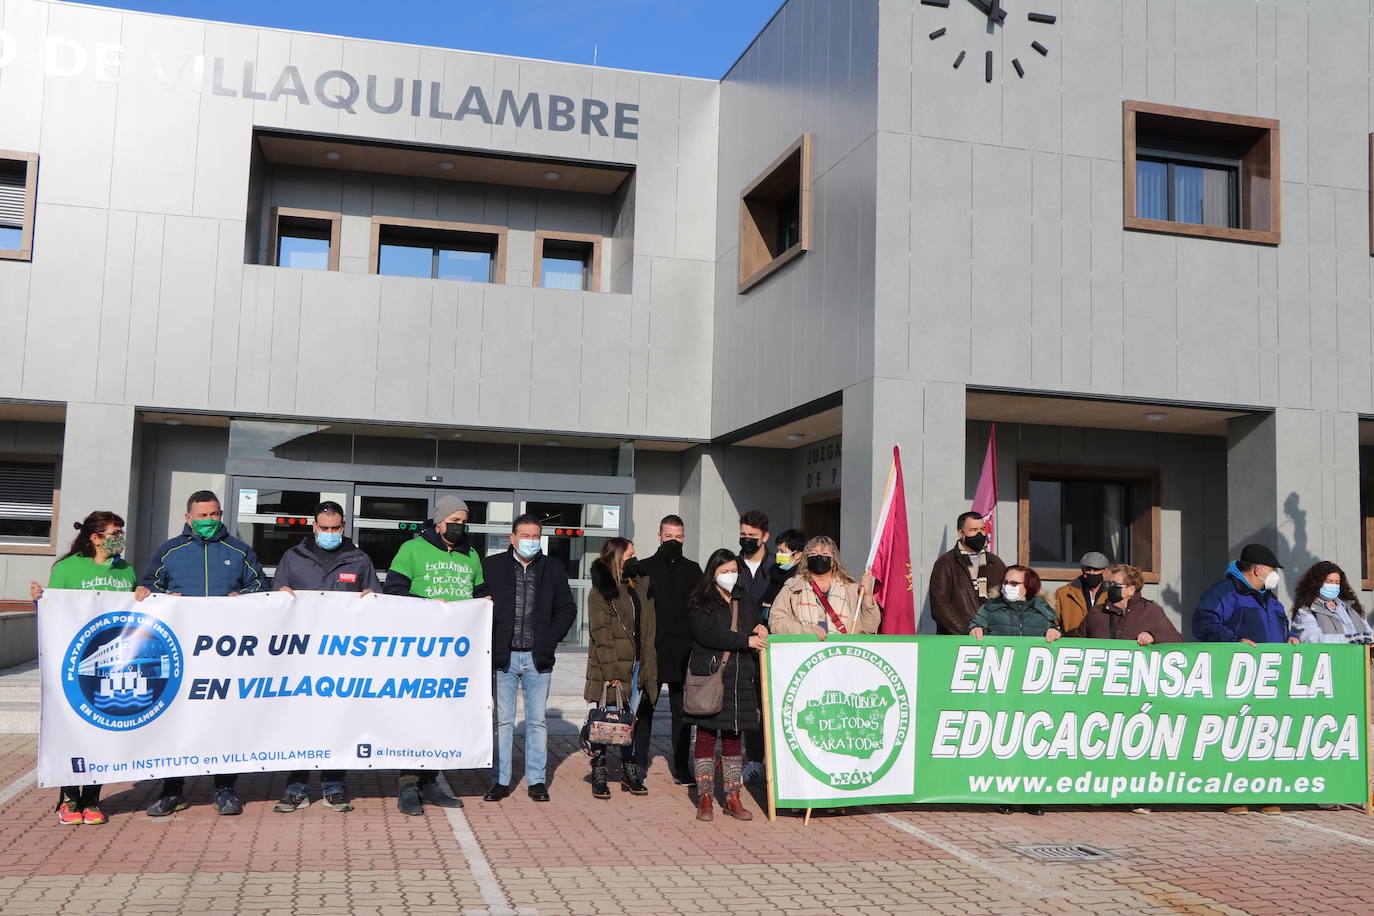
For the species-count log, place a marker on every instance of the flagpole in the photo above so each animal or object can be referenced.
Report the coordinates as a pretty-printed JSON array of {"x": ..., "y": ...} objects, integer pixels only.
[
  {"x": 769, "y": 769},
  {"x": 885, "y": 508}
]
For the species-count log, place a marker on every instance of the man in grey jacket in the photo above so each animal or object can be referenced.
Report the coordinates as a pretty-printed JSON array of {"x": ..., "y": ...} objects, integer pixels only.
[{"x": 326, "y": 561}]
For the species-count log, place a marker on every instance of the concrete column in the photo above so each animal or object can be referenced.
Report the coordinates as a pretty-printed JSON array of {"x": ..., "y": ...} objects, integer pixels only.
[
  {"x": 926, "y": 419},
  {"x": 97, "y": 464},
  {"x": 722, "y": 482},
  {"x": 1293, "y": 483}
]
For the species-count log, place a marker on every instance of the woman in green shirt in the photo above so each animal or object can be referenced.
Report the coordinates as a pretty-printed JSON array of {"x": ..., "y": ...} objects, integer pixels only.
[{"x": 94, "y": 563}]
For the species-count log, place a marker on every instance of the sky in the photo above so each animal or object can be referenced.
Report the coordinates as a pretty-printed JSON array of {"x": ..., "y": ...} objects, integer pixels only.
[{"x": 685, "y": 37}]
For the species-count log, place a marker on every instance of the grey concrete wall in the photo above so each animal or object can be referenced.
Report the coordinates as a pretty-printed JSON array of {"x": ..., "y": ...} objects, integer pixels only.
[
  {"x": 177, "y": 461},
  {"x": 806, "y": 331},
  {"x": 94, "y": 475},
  {"x": 658, "y": 488},
  {"x": 720, "y": 484}
]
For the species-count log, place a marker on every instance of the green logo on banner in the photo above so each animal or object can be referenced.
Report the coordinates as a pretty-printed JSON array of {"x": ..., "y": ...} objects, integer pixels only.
[{"x": 846, "y": 737}]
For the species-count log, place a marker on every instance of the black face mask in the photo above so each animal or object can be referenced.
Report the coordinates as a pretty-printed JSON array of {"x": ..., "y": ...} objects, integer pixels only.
[
  {"x": 455, "y": 532},
  {"x": 819, "y": 564},
  {"x": 1113, "y": 593},
  {"x": 630, "y": 568},
  {"x": 976, "y": 542},
  {"x": 747, "y": 546},
  {"x": 671, "y": 549},
  {"x": 1092, "y": 580}
]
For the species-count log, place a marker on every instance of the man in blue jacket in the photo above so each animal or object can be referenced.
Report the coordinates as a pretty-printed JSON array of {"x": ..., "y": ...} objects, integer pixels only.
[
  {"x": 203, "y": 561},
  {"x": 1242, "y": 607}
]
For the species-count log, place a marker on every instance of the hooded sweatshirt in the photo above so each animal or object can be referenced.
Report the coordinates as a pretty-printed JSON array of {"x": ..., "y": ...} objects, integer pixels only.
[{"x": 1232, "y": 610}]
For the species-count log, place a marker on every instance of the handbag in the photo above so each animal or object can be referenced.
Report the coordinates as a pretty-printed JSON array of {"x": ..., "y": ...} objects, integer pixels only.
[
  {"x": 704, "y": 694},
  {"x": 613, "y": 725}
]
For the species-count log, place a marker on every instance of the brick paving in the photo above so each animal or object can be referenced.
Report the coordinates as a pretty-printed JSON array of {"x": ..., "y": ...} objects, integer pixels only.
[{"x": 648, "y": 855}]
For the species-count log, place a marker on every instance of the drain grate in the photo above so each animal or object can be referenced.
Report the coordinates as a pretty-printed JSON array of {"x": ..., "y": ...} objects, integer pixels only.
[{"x": 1063, "y": 852}]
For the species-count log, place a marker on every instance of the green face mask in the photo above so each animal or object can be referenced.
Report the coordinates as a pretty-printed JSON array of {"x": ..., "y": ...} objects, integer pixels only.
[{"x": 205, "y": 527}]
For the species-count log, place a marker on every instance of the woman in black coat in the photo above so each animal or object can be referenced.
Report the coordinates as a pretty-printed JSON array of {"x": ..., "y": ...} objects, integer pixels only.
[{"x": 709, "y": 610}]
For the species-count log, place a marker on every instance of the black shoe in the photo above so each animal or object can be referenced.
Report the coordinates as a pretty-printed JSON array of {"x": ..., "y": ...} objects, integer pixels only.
[
  {"x": 408, "y": 800},
  {"x": 539, "y": 792},
  {"x": 496, "y": 792},
  {"x": 227, "y": 801},
  {"x": 338, "y": 802},
  {"x": 684, "y": 778},
  {"x": 166, "y": 805},
  {"x": 1004, "y": 809},
  {"x": 1035, "y": 810},
  {"x": 599, "y": 787},
  {"x": 291, "y": 803},
  {"x": 632, "y": 779},
  {"x": 434, "y": 794}
]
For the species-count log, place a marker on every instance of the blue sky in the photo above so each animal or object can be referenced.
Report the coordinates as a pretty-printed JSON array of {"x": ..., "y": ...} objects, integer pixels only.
[{"x": 688, "y": 37}]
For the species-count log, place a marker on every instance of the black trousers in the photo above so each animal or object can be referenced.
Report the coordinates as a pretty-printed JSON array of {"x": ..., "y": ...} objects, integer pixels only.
[{"x": 681, "y": 731}]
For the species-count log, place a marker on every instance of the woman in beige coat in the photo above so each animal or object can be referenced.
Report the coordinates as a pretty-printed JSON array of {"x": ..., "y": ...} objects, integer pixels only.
[{"x": 799, "y": 607}]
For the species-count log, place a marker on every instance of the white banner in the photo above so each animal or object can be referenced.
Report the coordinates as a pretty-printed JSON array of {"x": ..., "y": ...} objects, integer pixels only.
[{"x": 173, "y": 686}]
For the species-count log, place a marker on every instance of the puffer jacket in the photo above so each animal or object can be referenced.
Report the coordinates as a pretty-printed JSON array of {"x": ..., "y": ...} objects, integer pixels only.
[
  {"x": 611, "y": 654},
  {"x": 1231, "y": 611},
  {"x": 1000, "y": 617},
  {"x": 191, "y": 565}
]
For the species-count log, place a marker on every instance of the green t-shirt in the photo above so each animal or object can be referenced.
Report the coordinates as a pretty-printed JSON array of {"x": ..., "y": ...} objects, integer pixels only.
[
  {"x": 83, "y": 573},
  {"x": 436, "y": 573}
]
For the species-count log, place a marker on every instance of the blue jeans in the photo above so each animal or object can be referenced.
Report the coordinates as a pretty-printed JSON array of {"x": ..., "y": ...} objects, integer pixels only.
[
  {"x": 521, "y": 673},
  {"x": 331, "y": 782}
]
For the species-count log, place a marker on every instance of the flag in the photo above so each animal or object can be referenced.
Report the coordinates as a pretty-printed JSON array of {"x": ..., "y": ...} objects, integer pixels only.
[
  {"x": 890, "y": 558},
  {"x": 985, "y": 497}
]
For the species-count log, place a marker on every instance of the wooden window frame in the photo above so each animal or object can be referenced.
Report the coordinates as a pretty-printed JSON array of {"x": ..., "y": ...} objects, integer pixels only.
[
  {"x": 50, "y": 549},
  {"x": 1368, "y": 583},
  {"x": 593, "y": 264},
  {"x": 1145, "y": 538},
  {"x": 1260, "y": 179},
  {"x": 378, "y": 222},
  {"x": 334, "y": 218},
  {"x": 756, "y": 263},
  {"x": 25, "y": 250}
]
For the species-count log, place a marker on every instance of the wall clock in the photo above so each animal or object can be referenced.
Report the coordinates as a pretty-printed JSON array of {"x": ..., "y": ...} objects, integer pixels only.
[{"x": 995, "y": 17}]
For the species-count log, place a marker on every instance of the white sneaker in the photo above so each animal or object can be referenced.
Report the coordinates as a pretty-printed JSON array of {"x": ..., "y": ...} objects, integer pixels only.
[{"x": 754, "y": 772}]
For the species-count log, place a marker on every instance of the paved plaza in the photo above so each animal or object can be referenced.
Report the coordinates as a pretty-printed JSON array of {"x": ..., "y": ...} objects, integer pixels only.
[{"x": 648, "y": 855}]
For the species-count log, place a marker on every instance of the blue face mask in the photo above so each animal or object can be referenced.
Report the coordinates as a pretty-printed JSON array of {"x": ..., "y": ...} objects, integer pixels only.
[
  {"x": 328, "y": 540},
  {"x": 1331, "y": 592},
  {"x": 527, "y": 547}
]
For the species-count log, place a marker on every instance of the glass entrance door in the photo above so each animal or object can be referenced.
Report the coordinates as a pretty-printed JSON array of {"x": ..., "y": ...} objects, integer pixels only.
[{"x": 273, "y": 514}]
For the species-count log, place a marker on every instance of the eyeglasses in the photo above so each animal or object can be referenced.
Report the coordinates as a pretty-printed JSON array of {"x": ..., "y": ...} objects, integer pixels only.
[{"x": 1013, "y": 581}]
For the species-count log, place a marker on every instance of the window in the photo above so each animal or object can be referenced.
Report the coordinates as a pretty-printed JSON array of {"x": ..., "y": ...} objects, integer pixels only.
[
  {"x": 1201, "y": 173},
  {"x": 1067, "y": 511},
  {"x": 18, "y": 198},
  {"x": 438, "y": 250},
  {"x": 305, "y": 239},
  {"x": 775, "y": 215},
  {"x": 28, "y": 503},
  {"x": 567, "y": 261}
]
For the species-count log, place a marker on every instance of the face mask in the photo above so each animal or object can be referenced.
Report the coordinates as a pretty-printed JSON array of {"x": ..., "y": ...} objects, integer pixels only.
[
  {"x": 1271, "y": 581},
  {"x": 1114, "y": 593},
  {"x": 455, "y": 532},
  {"x": 671, "y": 549},
  {"x": 819, "y": 564},
  {"x": 1011, "y": 592},
  {"x": 727, "y": 581},
  {"x": 748, "y": 545},
  {"x": 1092, "y": 580},
  {"x": 630, "y": 568},
  {"x": 114, "y": 544},
  {"x": 527, "y": 547},
  {"x": 329, "y": 540},
  {"x": 205, "y": 527},
  {"x": 976, "y": 542},
  {"x": 786, "y": 560},
  {"x": 1329, "y": 592}
]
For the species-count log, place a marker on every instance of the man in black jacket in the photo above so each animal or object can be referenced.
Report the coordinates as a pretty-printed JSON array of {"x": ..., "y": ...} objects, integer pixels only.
[
  {"x": 673, "y": 577},
  {"x": 325, "y": 561},
  {"x": 532, "y": 610}
]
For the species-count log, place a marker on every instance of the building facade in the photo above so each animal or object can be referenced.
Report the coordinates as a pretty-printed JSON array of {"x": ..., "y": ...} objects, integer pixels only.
[{"x": 1131, "y": 236}]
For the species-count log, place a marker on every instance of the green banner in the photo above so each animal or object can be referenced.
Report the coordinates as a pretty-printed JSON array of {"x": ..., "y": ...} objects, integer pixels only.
[{"x": 877, "y": 720}]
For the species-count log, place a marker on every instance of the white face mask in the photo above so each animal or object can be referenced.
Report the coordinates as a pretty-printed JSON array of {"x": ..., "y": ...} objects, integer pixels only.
[
  {"x": 1012, "y": 592},
  {"x": 727, "y": 581},
  {"x": 1271, "y": 581}
]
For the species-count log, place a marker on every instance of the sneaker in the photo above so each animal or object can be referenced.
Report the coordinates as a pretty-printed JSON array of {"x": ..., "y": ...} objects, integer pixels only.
[
  {"x": 337, "y": 801},
  {"x": 1271, "y": 809},
  {"x": 290, "y": 802},
  {"x": 166, "y": 805},
  {"x": 227, "y": 801},
  {"x": 68, "y": 814},
  {"x": 754, "y": 772},
  {"x": 93, "y": 816},
  {"x": 1237, "y": 809}
]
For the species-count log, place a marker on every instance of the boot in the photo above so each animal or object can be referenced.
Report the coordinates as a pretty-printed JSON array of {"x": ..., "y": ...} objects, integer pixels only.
[
  {"x": 705, "y": 771},
  {"x": 704, "y": 812},
  {"x": 408, "y": 799},
  {"x": 434, "y": 794},
  {"x": 632, "y": 779},
  {"x": 735, "y": 808},
  {"x": 599, "y": 787}
]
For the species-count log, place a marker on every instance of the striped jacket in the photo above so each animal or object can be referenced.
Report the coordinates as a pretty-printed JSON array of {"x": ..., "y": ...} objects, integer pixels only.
[{"x": 191, "y": 565}]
